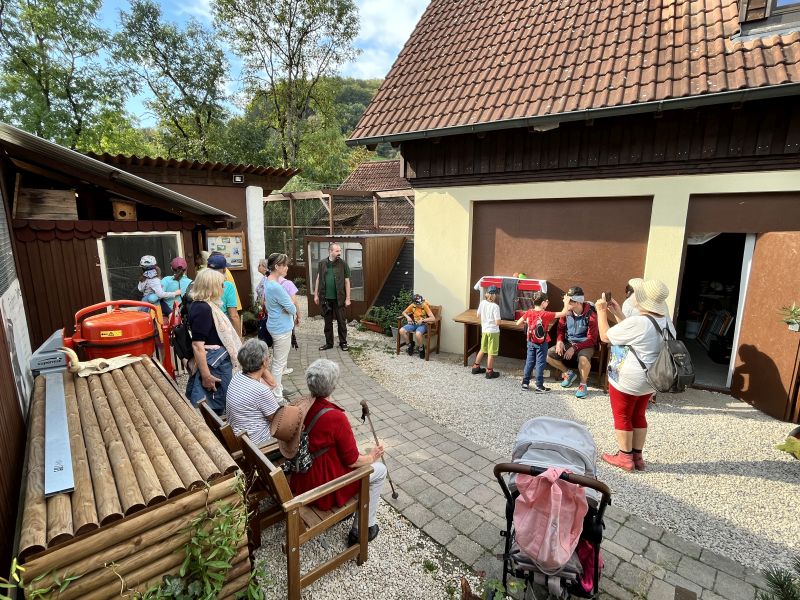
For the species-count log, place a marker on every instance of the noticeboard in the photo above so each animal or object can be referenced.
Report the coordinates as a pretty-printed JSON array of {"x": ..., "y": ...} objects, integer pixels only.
[{"x": 232, "y": 245}]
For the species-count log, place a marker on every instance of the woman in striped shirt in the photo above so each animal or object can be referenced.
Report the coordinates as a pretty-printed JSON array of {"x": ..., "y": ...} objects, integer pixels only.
[{"x": 250, "y": 403}]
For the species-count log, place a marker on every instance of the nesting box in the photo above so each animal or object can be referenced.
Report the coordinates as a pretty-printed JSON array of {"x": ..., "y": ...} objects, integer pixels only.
[{"x": 124, "y": 211}]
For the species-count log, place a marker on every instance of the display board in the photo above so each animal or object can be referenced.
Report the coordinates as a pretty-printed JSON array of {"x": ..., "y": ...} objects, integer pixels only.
[{"x": 232, "y": 245}]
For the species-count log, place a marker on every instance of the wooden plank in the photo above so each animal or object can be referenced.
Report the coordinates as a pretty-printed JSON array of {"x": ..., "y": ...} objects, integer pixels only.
[
  {"x": 56, "y": 205},
  {"x": 84, "y": 512},
  {"x": 34, "y": 516}
]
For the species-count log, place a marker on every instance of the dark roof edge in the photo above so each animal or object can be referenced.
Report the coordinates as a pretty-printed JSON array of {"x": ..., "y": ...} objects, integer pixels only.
[
  {"x": 731, "y": 96},
  {"x": 77, "y": 160}
]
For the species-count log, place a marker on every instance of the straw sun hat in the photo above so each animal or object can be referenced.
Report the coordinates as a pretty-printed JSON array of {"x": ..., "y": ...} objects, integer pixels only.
[
  {"x": 287, "y": 423},
  {"x": 650, "y": 294}
]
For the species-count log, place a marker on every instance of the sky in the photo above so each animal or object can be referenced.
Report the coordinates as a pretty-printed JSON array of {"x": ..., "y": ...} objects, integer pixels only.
[{"x": 385, "y": 27}]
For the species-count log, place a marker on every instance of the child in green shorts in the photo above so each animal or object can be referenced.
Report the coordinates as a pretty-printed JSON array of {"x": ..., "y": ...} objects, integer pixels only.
[{"x": 489, "y": 314}]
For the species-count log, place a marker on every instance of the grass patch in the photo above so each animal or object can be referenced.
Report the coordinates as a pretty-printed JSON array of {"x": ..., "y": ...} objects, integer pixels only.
[
  {"x": 430, "y": 566},
  {"x": 356, "y": 351}
]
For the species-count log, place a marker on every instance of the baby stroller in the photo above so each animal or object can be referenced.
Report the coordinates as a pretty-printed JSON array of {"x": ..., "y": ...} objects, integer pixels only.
[{"x": 546, "y": 442}]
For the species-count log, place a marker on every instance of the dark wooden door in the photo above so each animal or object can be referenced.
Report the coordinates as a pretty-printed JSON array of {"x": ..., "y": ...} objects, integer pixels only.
[{"x": 766, "y": 369}]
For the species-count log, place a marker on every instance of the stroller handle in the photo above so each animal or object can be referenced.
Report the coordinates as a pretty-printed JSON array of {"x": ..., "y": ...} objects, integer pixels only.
[{"x": 582, "y": 480}]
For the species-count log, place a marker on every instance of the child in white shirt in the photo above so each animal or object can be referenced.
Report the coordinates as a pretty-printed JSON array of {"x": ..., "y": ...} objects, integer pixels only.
[{"x": 489, "y": 314}]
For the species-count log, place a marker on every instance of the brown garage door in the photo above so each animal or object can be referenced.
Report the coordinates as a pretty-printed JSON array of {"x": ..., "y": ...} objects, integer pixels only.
[
  {"x": 765, "y": 373},
  {"x": 597, "y": 243}
]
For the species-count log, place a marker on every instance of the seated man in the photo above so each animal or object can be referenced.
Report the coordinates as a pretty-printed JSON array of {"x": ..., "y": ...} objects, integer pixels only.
[
  {"x": 577, "y": 339},
  {"x": 418, "y": 314},
  {"x": 250, "y": 402}
]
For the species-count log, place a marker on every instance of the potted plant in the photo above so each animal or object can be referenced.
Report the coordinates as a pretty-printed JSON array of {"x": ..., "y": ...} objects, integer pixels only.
[
  {"x": 383, "y": 319},
  {"x": 791, "y": 316},
  {"x": 376, "y": 319}
]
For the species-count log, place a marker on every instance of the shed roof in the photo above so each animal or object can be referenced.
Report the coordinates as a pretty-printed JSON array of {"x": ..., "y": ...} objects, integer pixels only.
[
  {"x": 194, "y": 165},
  {"x": 376, "y": 176},
  {"x": 20, "y": 144},
  {"x": 490, "y": 64}
]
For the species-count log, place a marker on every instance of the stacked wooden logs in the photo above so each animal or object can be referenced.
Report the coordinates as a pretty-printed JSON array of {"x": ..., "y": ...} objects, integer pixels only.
[{"x": 145, "y": 464}]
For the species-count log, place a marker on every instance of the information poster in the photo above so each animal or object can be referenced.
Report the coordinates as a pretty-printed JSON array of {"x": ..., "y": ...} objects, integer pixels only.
[{"x": 231, "y": 244}]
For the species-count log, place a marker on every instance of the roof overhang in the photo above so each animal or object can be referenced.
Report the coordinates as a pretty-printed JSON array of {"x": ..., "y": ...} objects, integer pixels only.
[
  {"x": 551, "y": 121},
  {"x": 22, "y": 145}
]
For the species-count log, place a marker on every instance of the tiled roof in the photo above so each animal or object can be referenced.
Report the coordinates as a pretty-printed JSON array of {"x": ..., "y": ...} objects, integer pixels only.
[
  {"x": 470, "y": 62},
  {"x": 196, "y": 165},
  {"x": 376, "y": 176}
]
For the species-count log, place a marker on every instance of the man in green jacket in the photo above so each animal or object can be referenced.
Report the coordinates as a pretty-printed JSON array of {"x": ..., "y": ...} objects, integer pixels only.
[{"x": 333, "y": 286}]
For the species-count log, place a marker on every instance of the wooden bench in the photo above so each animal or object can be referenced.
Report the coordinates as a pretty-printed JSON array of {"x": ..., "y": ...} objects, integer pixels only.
[
  {"x": 303, "y": 521},
  {"x": 472, "y": 343},
  {"x": 434, "y": 330}
]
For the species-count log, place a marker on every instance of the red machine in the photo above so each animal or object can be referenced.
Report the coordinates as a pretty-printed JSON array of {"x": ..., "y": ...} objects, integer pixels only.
[{"x": 119, "y": 332}]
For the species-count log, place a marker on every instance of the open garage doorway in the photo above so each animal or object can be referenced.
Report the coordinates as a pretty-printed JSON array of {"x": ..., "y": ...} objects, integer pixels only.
[{"x": 709, "y": 303}]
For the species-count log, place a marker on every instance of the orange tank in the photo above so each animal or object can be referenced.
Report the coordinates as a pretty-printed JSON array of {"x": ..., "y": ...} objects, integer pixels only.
[{"x": 115, "y": 333}]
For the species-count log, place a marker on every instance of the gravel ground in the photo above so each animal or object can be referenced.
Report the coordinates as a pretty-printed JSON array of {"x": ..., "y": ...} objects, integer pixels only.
[
  {"x": 403, "y": 563},
  {"x": 714, "y": 475}
]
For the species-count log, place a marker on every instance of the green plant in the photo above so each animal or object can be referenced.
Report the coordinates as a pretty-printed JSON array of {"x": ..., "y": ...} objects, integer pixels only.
[
  {"x": 386, "y": 316},
  {"x": 783, "y": 584},
  {"x": 13, "y": 579},
  {"x": 430, "y": 566},
  {"x": 790, "y": 314}
]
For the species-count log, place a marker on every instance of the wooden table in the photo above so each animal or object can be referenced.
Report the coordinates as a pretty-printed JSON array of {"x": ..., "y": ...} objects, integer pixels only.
[{"x": 470, "y": 320}]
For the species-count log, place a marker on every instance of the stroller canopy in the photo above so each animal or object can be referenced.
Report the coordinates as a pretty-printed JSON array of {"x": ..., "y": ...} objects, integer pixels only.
[{"x": 548, "y": 442}]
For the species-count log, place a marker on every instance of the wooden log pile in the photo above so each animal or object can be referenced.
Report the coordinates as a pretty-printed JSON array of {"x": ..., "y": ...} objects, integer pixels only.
[{"x": 145, "y": 465}]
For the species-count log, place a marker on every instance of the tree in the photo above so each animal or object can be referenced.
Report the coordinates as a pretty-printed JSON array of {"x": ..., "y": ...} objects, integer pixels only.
[
  {"x": 287, "y": 46},
  {"x": 53, "y": 82},
  {"x": 184, "y": 70}
]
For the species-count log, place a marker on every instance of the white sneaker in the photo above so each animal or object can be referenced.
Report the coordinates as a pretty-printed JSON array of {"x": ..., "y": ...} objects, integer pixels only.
[{"x": 288, "y": 371}]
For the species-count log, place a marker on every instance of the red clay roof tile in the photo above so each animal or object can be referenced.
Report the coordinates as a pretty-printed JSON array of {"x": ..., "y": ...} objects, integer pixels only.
[{"x": 472, "y": 61}]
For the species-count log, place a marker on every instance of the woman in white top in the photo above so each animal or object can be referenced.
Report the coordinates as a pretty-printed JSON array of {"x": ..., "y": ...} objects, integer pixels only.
[{"x": 628, "y": 387}]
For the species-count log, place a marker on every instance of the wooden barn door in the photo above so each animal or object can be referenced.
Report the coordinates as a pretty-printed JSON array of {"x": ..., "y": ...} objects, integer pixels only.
[{"x": 766, "y": 368}]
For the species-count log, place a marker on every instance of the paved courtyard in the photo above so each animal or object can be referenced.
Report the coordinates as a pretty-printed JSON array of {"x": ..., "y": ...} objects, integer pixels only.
[{"x": 447, "y": 489}]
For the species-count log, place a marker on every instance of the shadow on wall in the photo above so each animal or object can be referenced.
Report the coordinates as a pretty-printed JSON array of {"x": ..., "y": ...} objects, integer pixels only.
[{"x": 757, "y": 381}]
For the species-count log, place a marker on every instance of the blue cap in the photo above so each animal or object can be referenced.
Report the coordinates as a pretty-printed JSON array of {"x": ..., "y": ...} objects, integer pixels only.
[
  {"x": 217, "y": 261},
  {"x": 493, "y": 289}
]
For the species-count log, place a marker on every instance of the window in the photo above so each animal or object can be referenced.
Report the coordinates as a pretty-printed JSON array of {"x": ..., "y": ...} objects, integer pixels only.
[
  {"x": 119, "y": 260},
  {"x": 759, "y": 17},
  {"x": 352, "y": 253}
]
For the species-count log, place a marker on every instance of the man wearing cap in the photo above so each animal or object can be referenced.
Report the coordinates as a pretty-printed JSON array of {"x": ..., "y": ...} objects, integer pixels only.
[
  {"x": 577, "y": 338},
  {"x": 218, "y": 263},
  {"x": 417, "y": 314},
  {"x": 177, "y": 281},
  {"x": 333, "y": 287}
]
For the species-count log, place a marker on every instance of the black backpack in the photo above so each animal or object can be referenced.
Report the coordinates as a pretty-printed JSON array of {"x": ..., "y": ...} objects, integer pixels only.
[
  {"x": 181, "y": 336},
  {"x": 303, "y": 460},
  {"x": 673, "y": 371}
]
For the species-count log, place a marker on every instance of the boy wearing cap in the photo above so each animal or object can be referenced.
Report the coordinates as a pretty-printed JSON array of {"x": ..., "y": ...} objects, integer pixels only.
[
  {"x": 217, "y": 262},
  {"x": 538, "y": 320},
  {"x": 418, "y": 314},
  {"x": 172, "y": 283},
  {"x": 577, "y": 338},
  {"x": 489, "y": 314}
]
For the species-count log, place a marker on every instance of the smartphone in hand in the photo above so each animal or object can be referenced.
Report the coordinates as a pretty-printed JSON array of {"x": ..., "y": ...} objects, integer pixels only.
[{"x": 608, "y": 297}]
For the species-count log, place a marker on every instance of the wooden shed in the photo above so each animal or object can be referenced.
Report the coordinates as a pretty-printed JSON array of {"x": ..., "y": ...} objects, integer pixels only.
[
  {"x": 371, "y": 258},
  {"x": 145, "y": 466}
]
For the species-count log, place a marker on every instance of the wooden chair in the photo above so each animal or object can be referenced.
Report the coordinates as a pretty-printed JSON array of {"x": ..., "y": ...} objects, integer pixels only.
[
  {"x": 303, "y": 521},
  {"x": 434, "y": 330},
  {"x": 221, "y": 429}
]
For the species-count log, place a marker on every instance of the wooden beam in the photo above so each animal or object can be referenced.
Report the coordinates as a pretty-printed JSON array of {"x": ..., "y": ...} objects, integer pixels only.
[{"x": 395, "y": 193}]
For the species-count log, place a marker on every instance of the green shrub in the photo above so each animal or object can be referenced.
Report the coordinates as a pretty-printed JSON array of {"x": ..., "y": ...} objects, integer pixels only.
[{"x": 386, "y": 316}]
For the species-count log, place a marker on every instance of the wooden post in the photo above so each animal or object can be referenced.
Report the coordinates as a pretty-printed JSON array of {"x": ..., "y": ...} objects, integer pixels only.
[
  {"x": 84, "y": 513},
  {"x": 291, "y": 227},
  {"x": 105, "y": 491},
  {"x": 34, "y": 518},
  {"x": 177, "y": 454},
  {"x": 124, "y": 476},
  {"x": 125, "y": 531},
  {"x": 293, "y": 554},
  {"x": 363, "y": 521},
  {"x": 204, "y": 465},
  {"x": 170, "y": 480},
  {"x": 142, "y": 467},
  {"x": 216, "y": 451},
  {"x": 375, "y": 223}
]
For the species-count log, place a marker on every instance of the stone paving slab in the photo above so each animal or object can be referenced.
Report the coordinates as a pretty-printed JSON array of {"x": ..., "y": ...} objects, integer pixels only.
[{"x": 447, "y": 488}]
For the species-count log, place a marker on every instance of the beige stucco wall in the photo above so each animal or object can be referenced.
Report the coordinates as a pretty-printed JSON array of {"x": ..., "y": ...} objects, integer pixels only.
[{"x": 443, "y": 226}]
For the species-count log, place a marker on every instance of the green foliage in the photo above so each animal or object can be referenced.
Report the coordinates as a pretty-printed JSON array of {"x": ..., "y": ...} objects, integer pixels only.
[
  {"x": 14, "y": 578},
  {"x": 790, "y": 314},
  {"x": 287, "y": 47},
  {"x": 493, "y": 588},
  {"x": 783, "y": 584},
  {"x": 183, "y": 68},
  {"x": 386, "y": 316},
  {"x": 53, "y": 81}
]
